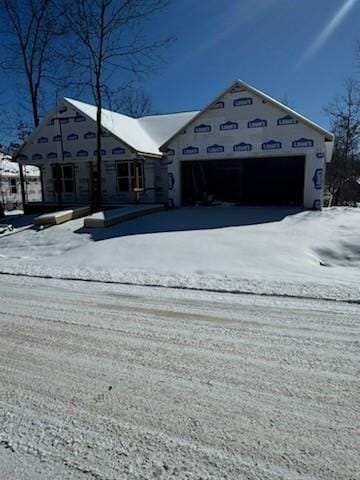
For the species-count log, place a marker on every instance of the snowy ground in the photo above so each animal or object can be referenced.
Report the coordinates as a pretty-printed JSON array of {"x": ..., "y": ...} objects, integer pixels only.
[
  {"x": 261, "y": 250},
  {"x": 113, "y": 382}
]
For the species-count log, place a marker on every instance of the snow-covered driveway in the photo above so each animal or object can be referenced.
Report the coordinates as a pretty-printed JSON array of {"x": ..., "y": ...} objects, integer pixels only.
[
  {"x": 114, "y": 382},
  {"x": 245, "y": 249}
]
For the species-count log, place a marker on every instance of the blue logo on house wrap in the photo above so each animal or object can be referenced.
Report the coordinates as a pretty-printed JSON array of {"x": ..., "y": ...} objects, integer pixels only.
[
  {"x": 67, "y": 154},
  {"x": 171, "y": 181},
  {"x": 217, "y": 105},
  {"x": 102, "y": 152},
  {"x": 23, "y": 157},
  {"x": 203, "y": 128},
  {"x": 57, "y": 138},
  {"x": 271, "y": 145},
  {"x": 190, "y": 150},
  {"x": 105, "y": 133},
  {"x": 79, "y": 118},
  {"x": 64, "y": 120},
  {"x": 242, "y": 147},
  {"x": 72, "y": 136},
  {"x": 82, "y": 153},
  {"x": 316, "y": 205},
  {"x": 62, "y": 109},
  {"x": 303, "y": 143},
  {"x": 258, "y": 122},
  {"x": 88, "y": 135},
  {"x": 51, "y": 155},
  {"x": 118, "y": 151},
  {"x": 317, "y": 178},
  {"x": 43, "y": 140},
  {"x": 215, "y": 148},
  {"x": 229, "y": 126},
  {"x": 287, "y": 120},
  {"x": 37, "y": 156},
  {"x": 320, "y": 155},
  {"x": 170, "y": 152},
  {"x": 241, "y": 102}
]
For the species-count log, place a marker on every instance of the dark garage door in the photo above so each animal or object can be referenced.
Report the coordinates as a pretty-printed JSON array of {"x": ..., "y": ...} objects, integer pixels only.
[{"x": 249, "y": 181}]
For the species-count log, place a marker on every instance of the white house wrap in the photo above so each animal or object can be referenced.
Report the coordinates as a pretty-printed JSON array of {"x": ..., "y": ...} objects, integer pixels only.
[{"x": 244, "y": 147}]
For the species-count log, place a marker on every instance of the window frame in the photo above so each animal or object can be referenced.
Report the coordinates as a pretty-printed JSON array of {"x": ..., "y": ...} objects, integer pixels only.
[
  {"x": 64, "y": 180},
  {"x": 130, "y": 177},
  {"x": 13, "y": 186}
]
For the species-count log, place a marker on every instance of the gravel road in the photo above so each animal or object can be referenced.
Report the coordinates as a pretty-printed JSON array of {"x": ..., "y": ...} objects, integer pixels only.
[{"x": 113, "y": 382}]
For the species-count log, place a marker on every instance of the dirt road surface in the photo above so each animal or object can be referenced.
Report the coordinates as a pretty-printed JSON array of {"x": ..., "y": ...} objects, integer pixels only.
[{"x": 113, "y": 382}]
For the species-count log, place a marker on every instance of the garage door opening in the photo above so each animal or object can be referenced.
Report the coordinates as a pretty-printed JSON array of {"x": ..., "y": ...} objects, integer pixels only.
[{"x": 249, "y": 181}]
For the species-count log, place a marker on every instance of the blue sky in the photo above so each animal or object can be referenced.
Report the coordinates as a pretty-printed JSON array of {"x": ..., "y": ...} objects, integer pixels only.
[
  {"x": 300, "y": 48},
  {"x": 303, "y": 49}
]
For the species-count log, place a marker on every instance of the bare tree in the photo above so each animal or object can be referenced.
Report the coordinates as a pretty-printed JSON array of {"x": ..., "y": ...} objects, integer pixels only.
[
  {"x": 133, "y": 101},
  {"x": 285, "y": 100},
  {"x": 111, "y": 37},
  {"x": 344, "y": 171},
  {"x": 30, "y": 29}
]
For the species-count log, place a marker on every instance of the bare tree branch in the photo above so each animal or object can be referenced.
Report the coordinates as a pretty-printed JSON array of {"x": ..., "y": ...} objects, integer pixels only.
[
  {"x": 30, "y": 30},
  {"x": 344, "y": 171},
  {"x": 133, "y": 101},
  {"x": 111, "y": 36}
]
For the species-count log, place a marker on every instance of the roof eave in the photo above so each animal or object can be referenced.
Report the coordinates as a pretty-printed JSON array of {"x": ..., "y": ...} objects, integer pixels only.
[
  {"x": 328, "y": 136},
  {"x": 165, "y": 144},
  {"x": 127, "y": 145},
  {"x": 150, "y": 154}
]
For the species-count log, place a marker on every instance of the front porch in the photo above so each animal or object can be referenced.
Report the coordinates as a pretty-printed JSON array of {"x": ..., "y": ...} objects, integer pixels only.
[{"x": 73, "y": 184}]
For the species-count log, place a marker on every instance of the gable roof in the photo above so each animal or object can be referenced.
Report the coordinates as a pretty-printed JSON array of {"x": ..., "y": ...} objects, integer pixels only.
[
  {"x": 329, "y": 137},
  {"x": 143, "y": 135},
  {"x": 151, "y": 134}
]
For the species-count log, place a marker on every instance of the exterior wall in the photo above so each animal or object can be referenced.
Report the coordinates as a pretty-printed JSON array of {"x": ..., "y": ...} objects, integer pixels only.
[
  {"x": 33, "y": 189},
  {"x": 11, "y": 197},
  {"x": 243, "y": 125},
  {"x": 78, "y": 148}
]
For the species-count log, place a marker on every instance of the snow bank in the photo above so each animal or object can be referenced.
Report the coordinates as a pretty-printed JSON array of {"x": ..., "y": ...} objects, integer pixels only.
[{"x": 236, "y": 249}]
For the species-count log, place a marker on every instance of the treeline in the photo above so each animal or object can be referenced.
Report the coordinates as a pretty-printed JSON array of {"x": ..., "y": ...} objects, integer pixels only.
[{"x": 343, "y": 173}]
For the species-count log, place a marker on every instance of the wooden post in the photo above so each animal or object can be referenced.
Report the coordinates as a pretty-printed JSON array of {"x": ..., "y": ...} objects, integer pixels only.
[
  {"x": 137, "y": 186},
  {"x": 22, "y": 186}
]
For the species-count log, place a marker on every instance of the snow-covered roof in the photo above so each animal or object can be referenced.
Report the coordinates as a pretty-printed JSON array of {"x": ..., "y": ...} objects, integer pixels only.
[
  {"x": 145, "y": 134},
  {"x": 162, "y": 127},
  {"x": 151, "y": 134},
  {"x": 9, "y": 168}
]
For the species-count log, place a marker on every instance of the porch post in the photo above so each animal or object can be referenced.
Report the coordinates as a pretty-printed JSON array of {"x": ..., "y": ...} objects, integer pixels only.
[{"x": 22, "y": 186}]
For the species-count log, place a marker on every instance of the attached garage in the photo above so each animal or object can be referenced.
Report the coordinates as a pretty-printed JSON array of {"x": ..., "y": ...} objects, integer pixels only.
[
  {"x": 249, "y": 149},
  {"x": 246, "y": 181}
]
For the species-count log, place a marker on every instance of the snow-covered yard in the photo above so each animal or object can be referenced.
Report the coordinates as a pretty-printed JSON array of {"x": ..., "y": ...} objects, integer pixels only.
[{"x": 249, "y": 249}]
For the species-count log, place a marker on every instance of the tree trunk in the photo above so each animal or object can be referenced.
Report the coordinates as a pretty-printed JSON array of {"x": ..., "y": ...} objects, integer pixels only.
[
  {"x": 35, "y": 111},
  {"x": 98, "y": 199}
]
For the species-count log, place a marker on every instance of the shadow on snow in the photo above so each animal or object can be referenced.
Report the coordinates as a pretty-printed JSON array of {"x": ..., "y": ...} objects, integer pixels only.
[
  {"x": 192, "y": 218},
  {"x": 18, "y": 220}
]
